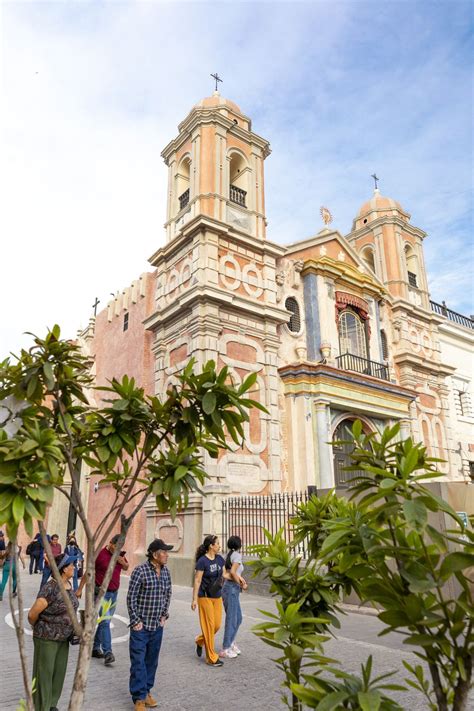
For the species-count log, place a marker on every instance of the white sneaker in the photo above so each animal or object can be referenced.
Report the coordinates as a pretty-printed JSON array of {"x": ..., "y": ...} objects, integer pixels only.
[
  {"x": 227, "y": 653},
  {"x": 235, "y": 649}
]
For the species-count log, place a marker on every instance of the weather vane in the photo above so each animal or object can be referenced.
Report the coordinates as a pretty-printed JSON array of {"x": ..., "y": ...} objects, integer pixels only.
[
  {"x": 217, "y": 78},
  {"x": 326, "y": 215}
]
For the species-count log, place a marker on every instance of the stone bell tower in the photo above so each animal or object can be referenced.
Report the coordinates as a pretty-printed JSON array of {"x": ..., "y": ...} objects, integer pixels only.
[
  {"x": 216, "y": 293},
  {"x": 215, "y": 169}
]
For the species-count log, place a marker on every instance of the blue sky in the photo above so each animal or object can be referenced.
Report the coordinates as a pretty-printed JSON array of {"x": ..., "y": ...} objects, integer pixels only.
[{"x": 94, "y": 90}]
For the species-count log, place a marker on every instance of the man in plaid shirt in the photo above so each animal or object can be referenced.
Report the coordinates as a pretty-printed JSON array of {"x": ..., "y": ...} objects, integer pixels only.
[{"x": 148, "y": 602}]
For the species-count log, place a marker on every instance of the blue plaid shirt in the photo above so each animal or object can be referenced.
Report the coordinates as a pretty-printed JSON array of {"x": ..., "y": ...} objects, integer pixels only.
[{"x": 149, "y": 596}]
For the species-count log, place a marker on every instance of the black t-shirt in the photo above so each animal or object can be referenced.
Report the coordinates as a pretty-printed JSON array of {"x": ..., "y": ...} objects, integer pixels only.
[{"x": 212, "y": 571}]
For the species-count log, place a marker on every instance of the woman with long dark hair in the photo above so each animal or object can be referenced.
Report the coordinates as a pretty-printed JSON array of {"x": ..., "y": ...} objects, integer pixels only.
[
  {"x": 231, "y": 590},
  {"x": 52, "y": 629},
  {"x": 207, "y": 596}
]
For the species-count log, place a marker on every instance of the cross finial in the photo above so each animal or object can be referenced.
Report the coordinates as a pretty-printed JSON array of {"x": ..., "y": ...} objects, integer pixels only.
[
  {"x": 217, "y": 78},
  {"x": 376, "y": 180},
  {"x": 95, "y": 305}
]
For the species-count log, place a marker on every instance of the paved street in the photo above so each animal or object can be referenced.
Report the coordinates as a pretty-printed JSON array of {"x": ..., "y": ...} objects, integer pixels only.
[{"x": 184, "y": 682}]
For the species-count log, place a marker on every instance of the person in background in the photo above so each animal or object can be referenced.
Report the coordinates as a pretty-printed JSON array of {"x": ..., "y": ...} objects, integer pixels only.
[
  {"x": 102, "y": 648},
  {"x": 72, "y": 549},
  {"x": 207, "y": 596},
  {"x": 56, "y": 550},
  {"x": 9, "y": 566},
  {"x": 33, "y": 549},
  {"x": 231, "y": 597},
  {"x": 41, "y": 549},
  {"x": 52, "y": 629},
  {"x": 148, "y": 603},
  {"x": 2, "y": 542}
]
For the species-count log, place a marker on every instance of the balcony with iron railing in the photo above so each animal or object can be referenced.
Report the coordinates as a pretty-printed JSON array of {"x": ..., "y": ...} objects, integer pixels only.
[
  {"x": 357, "y": 364},
  {"x": 237, "y": 195},
  {"x": 183, "y": 199},
  {"x": 442, "y": 310}
]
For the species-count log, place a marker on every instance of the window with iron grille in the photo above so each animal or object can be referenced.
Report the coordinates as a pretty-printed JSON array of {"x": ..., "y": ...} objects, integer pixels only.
[
  {"x": 383, "y": 341},
  {"x": 125, "y": 322},
  {"x": 412, "y": 279},
  {"x": 294, "y": 324},
  {"x": 352, "y": 337}
]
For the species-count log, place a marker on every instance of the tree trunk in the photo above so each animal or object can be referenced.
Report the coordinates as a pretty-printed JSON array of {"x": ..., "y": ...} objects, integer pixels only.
[
  {"x": 76, "y": 701},
  {"x": 462, "y": 687},
  {"x": 20, "y": 632},
  {"x": 438, "y": 688}
]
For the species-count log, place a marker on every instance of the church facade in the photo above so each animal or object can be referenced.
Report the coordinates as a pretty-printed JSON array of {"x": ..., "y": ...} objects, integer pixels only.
[{"x": 335, "y": 327}]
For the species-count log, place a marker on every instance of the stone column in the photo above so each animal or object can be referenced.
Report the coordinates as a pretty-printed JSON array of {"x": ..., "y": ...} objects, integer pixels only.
[
  {"x": 324, "y": 448},
  {"x": 313, "y": 328}
]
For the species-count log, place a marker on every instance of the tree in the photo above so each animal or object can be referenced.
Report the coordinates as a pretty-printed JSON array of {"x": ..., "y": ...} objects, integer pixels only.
[
  {"x": 383, "y": 545},
  {"x": 140, "y": 445}
]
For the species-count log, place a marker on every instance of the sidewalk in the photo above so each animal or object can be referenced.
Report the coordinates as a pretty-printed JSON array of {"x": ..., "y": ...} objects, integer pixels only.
[{"x": 186, "y": 683}]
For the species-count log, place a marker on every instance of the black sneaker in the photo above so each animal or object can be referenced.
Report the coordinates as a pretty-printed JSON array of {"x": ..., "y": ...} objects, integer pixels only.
[
  {"x": 97, "y": 653},
  {"x": 199, "y": 650},
  {"x": 109, "y": 659},
  {"x": 219, "y": 663}
]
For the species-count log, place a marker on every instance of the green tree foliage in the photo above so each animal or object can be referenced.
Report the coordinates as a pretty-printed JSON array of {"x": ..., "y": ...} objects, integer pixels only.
[
  {"x": 140, "y": 445},
  {"x": 383, "y": 544}
]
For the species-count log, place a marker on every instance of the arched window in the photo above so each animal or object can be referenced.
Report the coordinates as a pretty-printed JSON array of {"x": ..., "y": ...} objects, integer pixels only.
[
  {"x": 352, "y": 335},
  {"x": 384, "y": 344},
  {"x": 412, "y": 266},
  {"x": 238, "y": 179},
  {"x": 294, "y": 324},
  {"x": 369, "y": 258},
  {"x": 183, "y": 182}
]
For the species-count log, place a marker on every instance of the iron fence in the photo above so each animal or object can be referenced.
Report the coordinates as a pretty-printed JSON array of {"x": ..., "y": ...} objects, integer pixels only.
[{"x": 248, "y": 517}]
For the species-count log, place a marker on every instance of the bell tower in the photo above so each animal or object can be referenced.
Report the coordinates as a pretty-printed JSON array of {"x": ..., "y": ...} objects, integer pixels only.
[
  {"x": 215, "y": 169},
  {"x": 216, "y": 291}
]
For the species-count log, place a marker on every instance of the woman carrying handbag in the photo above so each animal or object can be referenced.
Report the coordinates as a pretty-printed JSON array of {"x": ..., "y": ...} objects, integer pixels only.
[{"x": 207, "y": 596}]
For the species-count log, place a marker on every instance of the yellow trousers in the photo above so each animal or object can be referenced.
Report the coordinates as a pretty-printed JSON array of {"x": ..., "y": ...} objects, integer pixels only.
[{"x": 210, "y": 616}]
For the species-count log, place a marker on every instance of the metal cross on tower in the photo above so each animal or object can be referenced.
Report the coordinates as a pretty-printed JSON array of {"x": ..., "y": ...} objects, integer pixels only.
[
  {"x": 374, "y": 176},
  {"x": 217, "y": 78},
  {"x": 95, "y": 305}
]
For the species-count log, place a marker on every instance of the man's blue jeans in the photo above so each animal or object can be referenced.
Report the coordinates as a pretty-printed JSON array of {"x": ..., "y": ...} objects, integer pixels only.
[
  {"x": 144, "y": 652},
  {"x": 103, "y": 638},
  {"x": 233, "y": 613}
]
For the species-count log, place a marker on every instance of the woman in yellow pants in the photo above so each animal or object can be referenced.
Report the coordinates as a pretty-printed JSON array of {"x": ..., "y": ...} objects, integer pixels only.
[{"x": 207, "y": 596}]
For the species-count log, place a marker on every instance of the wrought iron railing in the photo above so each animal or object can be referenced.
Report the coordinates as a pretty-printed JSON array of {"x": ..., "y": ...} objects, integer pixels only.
[
  {"x": 238, "y": 195},
  {"x": 248, "y": 517},
  {"x": 443, "y": 310},
  {"x": 183, "y": 199},
  {"x": 348, "y": 361}
]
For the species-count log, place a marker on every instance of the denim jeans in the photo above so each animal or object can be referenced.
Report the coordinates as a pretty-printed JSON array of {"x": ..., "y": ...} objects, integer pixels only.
[
  {"x": 144, "y": 649},
  {"x": 233, "y": 613},
  {"x": 7, "y": 568},
  {"x": 103, "y": 638}
]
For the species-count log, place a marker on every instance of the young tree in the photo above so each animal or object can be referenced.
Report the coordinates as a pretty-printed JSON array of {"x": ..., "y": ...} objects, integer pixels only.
[
  {"x": 383, "y": 544},
  {"x": 140, "y": 445}
]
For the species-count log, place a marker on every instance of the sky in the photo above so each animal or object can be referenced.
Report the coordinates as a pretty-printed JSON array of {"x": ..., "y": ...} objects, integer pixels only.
[{"x": 91, "y": 93}]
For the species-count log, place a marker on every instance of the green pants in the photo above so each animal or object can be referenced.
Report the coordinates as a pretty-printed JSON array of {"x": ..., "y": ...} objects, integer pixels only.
[{"x": 49, "y": 670}]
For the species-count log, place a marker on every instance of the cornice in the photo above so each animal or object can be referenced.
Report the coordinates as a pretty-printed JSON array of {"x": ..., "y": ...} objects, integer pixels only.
[
  {"x": 326, "y": 266},
  {"x": 206, "y": 293},
  {"x": 321, "y": 370},
  {"x": 418, "y": 363},
  {"x": 222, "y": 229},
  {"x": 426, "y": 315},
  {"x": 206, "y": 116},
  {"x": 386, "y": 220}
]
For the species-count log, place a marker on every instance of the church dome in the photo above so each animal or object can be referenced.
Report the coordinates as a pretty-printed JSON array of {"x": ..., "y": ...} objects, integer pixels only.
[
  {"x": 216, "y": 101},
  {"x": 378, "y": 206}
]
